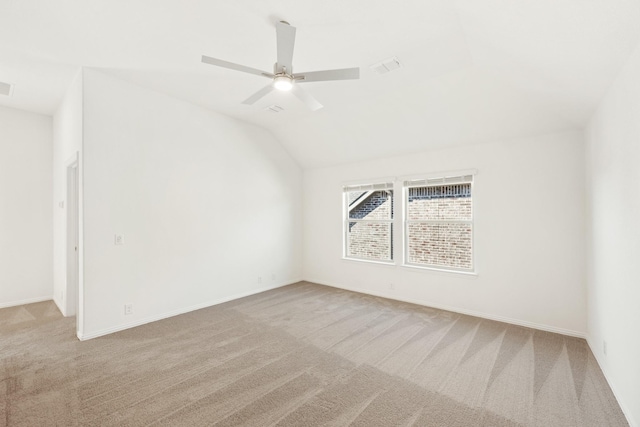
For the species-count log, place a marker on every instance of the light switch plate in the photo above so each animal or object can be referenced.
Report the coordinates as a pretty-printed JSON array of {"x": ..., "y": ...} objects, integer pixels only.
[
  {"x": 119, "y": 239},
  {"x": 6, "y": 89}
]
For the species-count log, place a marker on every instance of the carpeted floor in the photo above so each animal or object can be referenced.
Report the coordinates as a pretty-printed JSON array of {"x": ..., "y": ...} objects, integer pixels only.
[{"x": 301, "y": 355}]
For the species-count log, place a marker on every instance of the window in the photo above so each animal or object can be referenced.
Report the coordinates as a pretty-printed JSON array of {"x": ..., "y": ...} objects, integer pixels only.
[
  {"x": 439, "y": 223},
  {"x": 368, "y": 222}
]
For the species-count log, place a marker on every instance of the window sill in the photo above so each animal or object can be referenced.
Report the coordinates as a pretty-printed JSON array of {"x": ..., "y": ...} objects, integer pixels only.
[
  {"x": 368, "y": 261},
  {"x": 470, "y": 274}
]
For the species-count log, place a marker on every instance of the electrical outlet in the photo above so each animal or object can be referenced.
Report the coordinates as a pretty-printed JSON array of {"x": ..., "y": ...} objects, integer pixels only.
[
  {"x": 259, "y": 279},
  {"x": 118, "y": 239},
  {"x": 392, "y": 286},
  {"x": 604, "y": 347},
  {"x": 128, "y": 309},
  {"x": 273, "y": 277}
]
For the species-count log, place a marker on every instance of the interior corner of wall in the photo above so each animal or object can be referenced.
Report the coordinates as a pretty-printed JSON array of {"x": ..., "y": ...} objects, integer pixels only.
[{"x": 60, "y": 306}]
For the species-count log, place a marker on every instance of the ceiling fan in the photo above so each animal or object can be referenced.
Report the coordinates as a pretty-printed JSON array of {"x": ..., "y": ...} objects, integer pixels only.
[{"x": 283, "y": 77}]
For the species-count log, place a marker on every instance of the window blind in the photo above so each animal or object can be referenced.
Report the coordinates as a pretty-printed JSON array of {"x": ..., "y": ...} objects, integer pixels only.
[
  {"x": 368, "y": 187},
  {"x": 463, "y": 179}
]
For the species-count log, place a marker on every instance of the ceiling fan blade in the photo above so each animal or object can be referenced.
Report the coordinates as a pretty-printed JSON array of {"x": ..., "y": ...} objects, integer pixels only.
[
  {"x": 237, "y": 67},
  {"x": 322, "y": 76},
  {"x": 258, "y": 95},
  {"x": 305, "y": 97},
  {"x": 286, "y": 38}
]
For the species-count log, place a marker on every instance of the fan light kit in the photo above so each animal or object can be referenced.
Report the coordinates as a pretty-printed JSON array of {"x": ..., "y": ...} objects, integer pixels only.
[
  {"x": 283, "y": 77},
  {"x": 283, "y": 82}
]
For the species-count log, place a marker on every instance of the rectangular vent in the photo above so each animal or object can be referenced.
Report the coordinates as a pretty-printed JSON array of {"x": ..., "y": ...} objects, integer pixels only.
[
  {"x": 5, "y": 89},
  {"x": 386, "y": 66},
  {"x": 275, "y": 108}
]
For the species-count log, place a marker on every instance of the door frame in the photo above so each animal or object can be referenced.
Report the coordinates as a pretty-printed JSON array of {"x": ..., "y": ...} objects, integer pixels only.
[{"x": 74, "y": 242}]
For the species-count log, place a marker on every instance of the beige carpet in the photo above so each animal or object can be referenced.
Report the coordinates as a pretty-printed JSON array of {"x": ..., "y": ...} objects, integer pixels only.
[{"x": 302, "y": 355}]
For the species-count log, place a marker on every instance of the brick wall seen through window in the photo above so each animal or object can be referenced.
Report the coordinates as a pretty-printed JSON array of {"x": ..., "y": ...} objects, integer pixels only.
[
  {"x": 369, "y": 228},
  {"x": 439, "y": 226}
]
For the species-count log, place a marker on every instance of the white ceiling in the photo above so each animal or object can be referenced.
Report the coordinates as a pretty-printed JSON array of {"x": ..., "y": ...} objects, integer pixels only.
[{"x": 473, "y": 70}]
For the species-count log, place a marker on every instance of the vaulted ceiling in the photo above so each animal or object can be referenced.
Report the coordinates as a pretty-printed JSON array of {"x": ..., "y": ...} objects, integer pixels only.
[{"x": 472, "y": 70}]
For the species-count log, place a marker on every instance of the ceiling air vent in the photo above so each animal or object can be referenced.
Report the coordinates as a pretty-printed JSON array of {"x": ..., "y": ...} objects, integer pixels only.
[
  {"x": 5, "y": 89},
  {"x": 274, "y": 108},
  {"x": 387, "y": 65}
]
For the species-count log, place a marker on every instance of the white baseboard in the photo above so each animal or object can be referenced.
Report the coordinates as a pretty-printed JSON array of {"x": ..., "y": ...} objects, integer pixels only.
[
  {"x": 140, "y": 322},
  {"x": 512, "y": 321},
  {"x": 607, "y": 376},
  {"x": 25, "y": 301}
]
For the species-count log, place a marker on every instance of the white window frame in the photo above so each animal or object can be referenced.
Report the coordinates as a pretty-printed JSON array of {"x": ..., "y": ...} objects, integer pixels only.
[
  {"x": 375, "y": 186},
  {"x": 467, "y": 178}
]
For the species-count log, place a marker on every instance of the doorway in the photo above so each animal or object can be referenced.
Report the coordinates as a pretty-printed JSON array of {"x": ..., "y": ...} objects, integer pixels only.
[{"x": 73, "y": 271}]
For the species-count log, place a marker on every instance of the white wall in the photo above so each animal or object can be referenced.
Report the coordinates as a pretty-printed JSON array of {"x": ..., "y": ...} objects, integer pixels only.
[
  {"x": 206, "y": 205},
  {"x": 67, "y": 143},
  {"x": 25, "y": 207},
  {"x": 529, "y": 233},
  {"x": 613, "y": 171}
]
